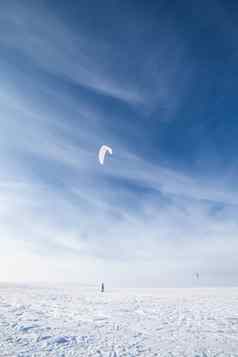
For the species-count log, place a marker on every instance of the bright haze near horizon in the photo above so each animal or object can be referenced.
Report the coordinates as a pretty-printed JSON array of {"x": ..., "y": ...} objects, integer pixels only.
[{"x": 157, "y": 81}]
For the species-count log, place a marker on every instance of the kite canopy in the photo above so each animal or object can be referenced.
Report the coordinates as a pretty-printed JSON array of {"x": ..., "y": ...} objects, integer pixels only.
[{"x": 104, "y": 149}]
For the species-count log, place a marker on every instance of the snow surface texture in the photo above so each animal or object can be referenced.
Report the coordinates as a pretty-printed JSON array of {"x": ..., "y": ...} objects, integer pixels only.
[{"x": 43, "y": 321}]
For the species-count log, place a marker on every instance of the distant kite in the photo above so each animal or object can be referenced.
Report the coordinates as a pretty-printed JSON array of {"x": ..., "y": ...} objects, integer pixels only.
[{"x": 102, "y": 153}]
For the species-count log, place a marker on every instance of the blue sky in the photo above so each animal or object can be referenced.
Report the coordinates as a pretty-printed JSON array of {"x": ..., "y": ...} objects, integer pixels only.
[{"x": 158, "y": 83}]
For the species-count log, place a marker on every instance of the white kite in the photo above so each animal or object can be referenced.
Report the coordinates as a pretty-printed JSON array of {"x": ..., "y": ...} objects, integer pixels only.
[{"x": 102, "y": 153}]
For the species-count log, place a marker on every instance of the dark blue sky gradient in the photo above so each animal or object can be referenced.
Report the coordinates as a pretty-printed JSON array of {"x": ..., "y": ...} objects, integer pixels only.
[{"x": 202, "y": 133}]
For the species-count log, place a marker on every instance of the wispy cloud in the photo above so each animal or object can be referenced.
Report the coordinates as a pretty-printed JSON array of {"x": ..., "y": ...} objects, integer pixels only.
[
  {"x": 52, "y": 45},
  {"x": 87, "y": 59}
]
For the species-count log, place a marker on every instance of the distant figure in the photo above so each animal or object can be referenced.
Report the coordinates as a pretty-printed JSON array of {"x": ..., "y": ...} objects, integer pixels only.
[
  {"x": 197, "y": 275},
  {"x": 102, "y": 288}
]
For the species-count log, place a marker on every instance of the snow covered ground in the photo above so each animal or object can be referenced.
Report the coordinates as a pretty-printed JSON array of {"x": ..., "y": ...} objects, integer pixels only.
[{"x": 43, "y": 321}]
